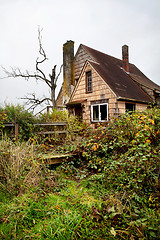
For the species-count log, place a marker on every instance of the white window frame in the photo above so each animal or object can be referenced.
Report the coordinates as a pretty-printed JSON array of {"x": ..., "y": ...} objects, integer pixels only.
[{"x": 99, "y": 113}]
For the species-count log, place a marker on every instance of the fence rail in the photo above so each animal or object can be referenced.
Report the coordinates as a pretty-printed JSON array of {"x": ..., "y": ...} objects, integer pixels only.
[
  {"x": 43, "y": 131},
  {"x": 51, "y": 124}
]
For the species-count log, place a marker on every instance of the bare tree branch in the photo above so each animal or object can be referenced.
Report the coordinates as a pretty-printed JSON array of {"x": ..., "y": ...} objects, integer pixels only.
[
  {"x": 39, "y": 75},
  {"x": 32, "y": 100},
  {"x": 16, "y": 72},
  {"x": 59, "y": 73},
  {"x": 43, "y": 54}
]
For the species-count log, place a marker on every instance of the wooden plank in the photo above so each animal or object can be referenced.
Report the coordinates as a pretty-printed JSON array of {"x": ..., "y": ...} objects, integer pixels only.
[
  {"x": 50, "y": 132},
  {"x": 51, "y": 124},
  {"x": 52, "y": 156},
  {"x": 56, "y": 158}
]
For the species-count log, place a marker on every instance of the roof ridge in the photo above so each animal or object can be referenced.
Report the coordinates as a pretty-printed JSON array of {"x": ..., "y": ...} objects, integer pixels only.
[{"x": 92, "y": 49}]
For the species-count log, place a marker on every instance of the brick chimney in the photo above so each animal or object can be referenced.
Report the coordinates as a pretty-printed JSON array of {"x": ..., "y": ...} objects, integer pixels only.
[
  {"x": 68, "y": 70},
  {"x": 125, "y": 58}
]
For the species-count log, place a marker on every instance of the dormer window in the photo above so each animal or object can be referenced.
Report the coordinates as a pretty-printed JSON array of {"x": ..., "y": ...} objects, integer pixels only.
[{"x": 88, "y": 82}]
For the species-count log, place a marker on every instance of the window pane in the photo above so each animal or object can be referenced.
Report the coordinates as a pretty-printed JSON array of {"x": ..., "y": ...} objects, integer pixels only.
[
  {"x": 130, "y": 107},
  {"x": 89, "y": 82},
  {"x": 95, "y": 113},
  {"x": 103, "y": 111}
]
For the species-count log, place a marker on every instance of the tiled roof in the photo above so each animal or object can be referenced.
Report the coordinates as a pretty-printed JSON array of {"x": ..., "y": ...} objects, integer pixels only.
[{"x": 123, "y": 84}]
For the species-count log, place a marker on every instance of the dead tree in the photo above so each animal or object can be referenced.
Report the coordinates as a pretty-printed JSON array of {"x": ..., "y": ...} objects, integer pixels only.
[{"x": 39, "y": 75}]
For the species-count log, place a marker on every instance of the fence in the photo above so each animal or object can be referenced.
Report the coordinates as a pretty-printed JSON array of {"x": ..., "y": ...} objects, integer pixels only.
[
  {"x": 40, "y": 128},
  {"x": 51, "y": 128}
]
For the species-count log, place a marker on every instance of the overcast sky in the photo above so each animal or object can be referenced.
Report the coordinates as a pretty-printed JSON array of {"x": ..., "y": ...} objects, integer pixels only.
[{"x": 104, "y": 25}]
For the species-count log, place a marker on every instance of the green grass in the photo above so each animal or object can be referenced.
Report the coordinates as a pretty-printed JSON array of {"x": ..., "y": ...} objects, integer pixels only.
[
  {"x": 76, "y": 211},
  {"x": 64, "y": 215},
  {"x": 110, "y": 191}
]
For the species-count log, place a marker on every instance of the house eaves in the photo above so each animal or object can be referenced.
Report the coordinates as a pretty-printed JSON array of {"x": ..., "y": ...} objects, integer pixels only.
[
  {"x": 74, "y": 103},
  {"x": 132, "y": 100}
]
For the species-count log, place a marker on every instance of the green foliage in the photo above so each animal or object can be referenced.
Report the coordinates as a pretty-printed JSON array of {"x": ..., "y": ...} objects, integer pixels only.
[
  {"x": 77, "y": 128},
  {"x": 110, "y": 190},
  {"x": 54, "y": 116},
  {"x": 124, "y": 157},
  {"x": 3, "y": 119},
  {"x": 17, "y": 114},
  {"x": 130, "y": 143},
  {"x": 139, "y": 127},
  {"x": 48, "y": 217}
]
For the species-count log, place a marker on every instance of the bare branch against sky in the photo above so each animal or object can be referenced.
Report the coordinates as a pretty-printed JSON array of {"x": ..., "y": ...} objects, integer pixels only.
[
  {"x": 39, "y": 75},
  {"x": 101, "y": 24}
]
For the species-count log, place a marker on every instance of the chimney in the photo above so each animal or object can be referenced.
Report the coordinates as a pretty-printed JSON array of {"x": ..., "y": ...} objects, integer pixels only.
[
  {"x": 125, "y": 58},
  {"x": 68, "y": 70}
]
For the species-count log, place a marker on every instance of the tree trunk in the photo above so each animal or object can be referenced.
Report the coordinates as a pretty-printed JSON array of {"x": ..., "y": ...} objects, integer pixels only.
[
  {"x": 53, "y": 97},
  {"x": 53, "y": 86}
]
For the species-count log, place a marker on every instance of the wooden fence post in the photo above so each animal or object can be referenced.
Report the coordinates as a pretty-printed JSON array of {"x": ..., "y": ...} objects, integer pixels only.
[
  {"x": 16, "y": 131},
  {"x": 47, "y": 110}
]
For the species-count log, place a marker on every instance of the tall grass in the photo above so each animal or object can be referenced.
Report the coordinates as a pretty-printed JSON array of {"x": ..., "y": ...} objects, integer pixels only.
[{"x": 19, "y": 167}]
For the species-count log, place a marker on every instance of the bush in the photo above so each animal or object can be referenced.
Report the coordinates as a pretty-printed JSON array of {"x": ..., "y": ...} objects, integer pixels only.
[
  {"x": 54, "y": 116},
  {"x": 18, "y": 114},
  {"x": 122, "y": 159},
  {"x": 127, "y": 151},
  {"x": 3, "y": 119}
]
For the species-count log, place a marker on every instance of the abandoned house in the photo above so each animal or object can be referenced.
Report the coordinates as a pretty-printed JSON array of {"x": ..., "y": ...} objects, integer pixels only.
[{"x": 97, "y": 87}]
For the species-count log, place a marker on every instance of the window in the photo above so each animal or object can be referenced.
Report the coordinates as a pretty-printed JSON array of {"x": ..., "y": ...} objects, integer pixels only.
[
  {"x": 130, "y": 107},
  {"x": 88, "y": 82},
  {"x": 99, "y": 112}
]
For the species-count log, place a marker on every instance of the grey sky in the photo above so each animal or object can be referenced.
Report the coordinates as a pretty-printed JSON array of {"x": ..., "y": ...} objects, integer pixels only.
[{"x": 105, "y": 25}]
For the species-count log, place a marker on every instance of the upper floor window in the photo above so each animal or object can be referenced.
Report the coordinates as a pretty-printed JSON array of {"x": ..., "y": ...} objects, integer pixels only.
[{"x": 88, "y": 82}]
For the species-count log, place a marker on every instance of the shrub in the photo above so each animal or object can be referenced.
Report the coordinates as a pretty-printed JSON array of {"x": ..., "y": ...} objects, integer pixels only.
[
  {"x": 18, "y": 114},
  {"x": 54, "y": 116},
  {"x": 3, "y": 119},
  {"x": 128, "y": 152}
]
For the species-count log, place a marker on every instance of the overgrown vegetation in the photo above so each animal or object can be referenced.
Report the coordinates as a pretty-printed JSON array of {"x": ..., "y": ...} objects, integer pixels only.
[
  {"x": 25, "y": 119},
  {"x": 54, "y": 116},
  {"x": 18, "y": 114},
  {"x": 110, "y": 190}
]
